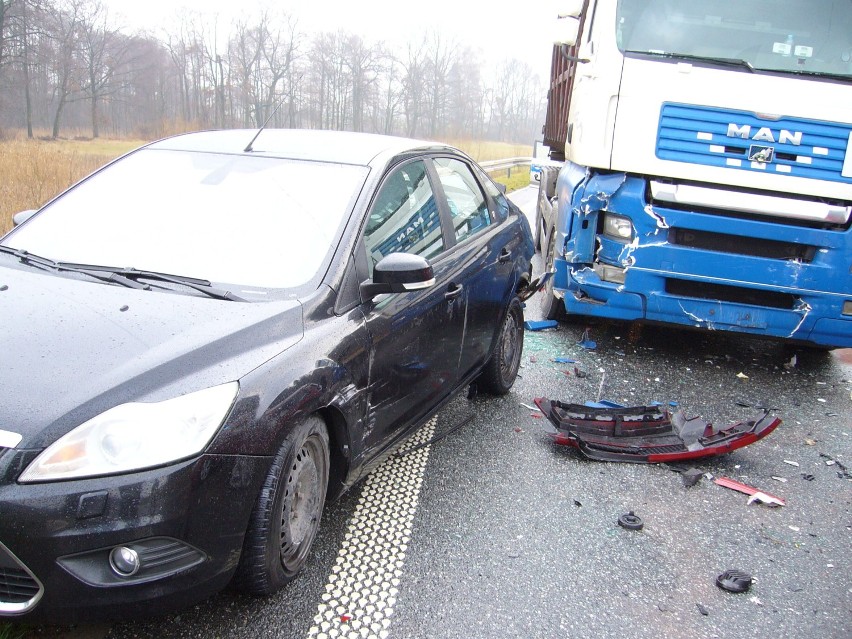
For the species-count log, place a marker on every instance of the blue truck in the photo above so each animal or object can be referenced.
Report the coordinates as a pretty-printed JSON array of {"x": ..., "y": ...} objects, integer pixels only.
[{"x": 706, "y": 166}]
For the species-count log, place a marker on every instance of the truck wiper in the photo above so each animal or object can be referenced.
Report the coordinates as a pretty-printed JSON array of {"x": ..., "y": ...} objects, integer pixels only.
[
  {"x": 842, "y": 77},
  {"x": 730, "y": 62},
  {"x": 133, "y": 274}
]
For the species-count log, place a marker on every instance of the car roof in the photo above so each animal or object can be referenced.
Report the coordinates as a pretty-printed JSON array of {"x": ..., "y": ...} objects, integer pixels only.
[{"x": 344, "y": 147}]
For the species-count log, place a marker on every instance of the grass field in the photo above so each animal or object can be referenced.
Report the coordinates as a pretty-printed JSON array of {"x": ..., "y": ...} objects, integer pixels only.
[{"x": 34, "y": 171}]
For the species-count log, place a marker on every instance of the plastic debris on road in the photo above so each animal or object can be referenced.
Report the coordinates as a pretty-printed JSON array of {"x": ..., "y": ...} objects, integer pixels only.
[
  {"x": 588, "y": 343},
  {"x": 755, "y": 494},
  {"x": 646, "y": 434},
  {"x": 540, "y": 325}
]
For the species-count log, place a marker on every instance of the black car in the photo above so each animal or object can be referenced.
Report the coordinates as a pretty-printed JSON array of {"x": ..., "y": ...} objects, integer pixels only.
[{"x": 207, "y": 338}]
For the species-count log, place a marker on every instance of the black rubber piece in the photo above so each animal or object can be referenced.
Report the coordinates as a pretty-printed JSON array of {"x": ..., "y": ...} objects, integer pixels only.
[
  {"x": 629, "y": 521},
  {"x": 734, "y": 581}
]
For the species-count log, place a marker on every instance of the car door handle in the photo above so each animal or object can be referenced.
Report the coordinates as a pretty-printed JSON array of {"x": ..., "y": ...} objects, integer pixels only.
[
  {"x": 505, "y": 256},
  {"x": 453, "y": 292}
]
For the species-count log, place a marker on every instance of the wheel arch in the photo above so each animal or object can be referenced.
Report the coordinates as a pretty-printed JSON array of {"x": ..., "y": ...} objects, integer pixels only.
[{"x": 339, "y": 448}]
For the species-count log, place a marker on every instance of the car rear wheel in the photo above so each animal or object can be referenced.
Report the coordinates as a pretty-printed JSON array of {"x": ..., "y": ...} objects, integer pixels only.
[
  {"x": 502, "y": 368},
  {"x": 287, "y": 515}
]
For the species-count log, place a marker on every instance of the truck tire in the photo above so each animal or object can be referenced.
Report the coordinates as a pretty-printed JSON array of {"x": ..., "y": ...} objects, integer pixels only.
[
  {"x": 544, "y": 217},
  {"x": 552, "y": 308}
]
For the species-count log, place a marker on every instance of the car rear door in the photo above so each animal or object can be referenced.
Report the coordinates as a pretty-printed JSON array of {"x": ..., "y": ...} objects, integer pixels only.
[{"x": 484, "y": 256}]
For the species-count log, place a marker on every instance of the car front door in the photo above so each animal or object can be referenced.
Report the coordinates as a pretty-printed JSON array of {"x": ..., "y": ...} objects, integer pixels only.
[{"x": 416, "y": 337}]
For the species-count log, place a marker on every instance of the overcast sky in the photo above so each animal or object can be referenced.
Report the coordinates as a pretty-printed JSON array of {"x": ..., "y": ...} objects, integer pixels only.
[{"x": 519, "y": 31}]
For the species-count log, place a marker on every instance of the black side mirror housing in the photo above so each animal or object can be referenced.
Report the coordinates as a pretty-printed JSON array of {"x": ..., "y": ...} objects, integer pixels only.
[{"x": 398, "y": 273}]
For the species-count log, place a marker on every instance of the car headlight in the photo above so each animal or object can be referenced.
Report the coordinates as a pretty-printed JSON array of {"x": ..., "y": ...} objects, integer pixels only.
[
  {"x": 617, "y": 226},
  {"x": 135, "y": 436}
]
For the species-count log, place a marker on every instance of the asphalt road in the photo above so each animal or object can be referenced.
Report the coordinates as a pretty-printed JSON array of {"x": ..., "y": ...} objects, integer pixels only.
[{"x": 494, "y": 531}]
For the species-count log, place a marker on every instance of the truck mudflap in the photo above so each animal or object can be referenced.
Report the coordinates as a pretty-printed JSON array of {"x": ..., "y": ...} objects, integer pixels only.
[{"x": 647, "y": 434}]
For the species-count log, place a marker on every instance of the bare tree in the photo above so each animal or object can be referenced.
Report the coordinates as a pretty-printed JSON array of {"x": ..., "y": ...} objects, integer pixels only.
[
  {"x": 104, "y": 53},
  {"x": 64, "y": 33},
  {"x": 414, "y": 87}
]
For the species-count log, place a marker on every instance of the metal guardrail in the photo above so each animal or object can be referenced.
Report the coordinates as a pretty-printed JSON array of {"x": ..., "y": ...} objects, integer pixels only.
[{"x": 507, "y": 164}]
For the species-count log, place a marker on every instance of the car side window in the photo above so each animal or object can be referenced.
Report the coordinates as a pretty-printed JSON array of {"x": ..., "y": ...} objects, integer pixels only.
[
  {"x": 466, "y": 201},
  {"x": 497, "y": 196},
  {"x": 404, "y": 217}
]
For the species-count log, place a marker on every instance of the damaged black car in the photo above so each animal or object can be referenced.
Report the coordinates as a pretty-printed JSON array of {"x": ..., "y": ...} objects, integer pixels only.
[{"x": 207, "y": 338}]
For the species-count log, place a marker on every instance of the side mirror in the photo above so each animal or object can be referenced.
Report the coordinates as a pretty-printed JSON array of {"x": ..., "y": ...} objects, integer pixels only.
[
  {"x": 23, "y": 216},
  {"x": 398, "y": 273},
  {"x": 501, "y": 187}
]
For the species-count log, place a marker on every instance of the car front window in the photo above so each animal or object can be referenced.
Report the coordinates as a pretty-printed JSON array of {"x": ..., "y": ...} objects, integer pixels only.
[
  {"x": 773, "y": 35},
  {"x": 404, "y": 217},
  {"x": 238, "y": 219}
]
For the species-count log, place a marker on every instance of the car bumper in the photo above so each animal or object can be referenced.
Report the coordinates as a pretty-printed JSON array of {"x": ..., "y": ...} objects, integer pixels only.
[{"x": 185, "y": 521}]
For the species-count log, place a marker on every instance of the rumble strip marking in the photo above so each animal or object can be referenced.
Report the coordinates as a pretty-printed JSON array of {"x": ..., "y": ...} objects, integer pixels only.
[{"x": 361, "y": 590}]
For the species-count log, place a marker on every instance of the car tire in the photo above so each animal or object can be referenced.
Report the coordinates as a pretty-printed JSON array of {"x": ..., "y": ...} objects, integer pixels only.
[
  {"x": 500, "y": 371},
  {"x": 552, "y": 308},
  {"x": 287, "y": 515}
]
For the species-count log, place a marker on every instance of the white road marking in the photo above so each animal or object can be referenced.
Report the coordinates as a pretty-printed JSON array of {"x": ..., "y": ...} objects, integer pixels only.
[{"x": 361, "y": 590}]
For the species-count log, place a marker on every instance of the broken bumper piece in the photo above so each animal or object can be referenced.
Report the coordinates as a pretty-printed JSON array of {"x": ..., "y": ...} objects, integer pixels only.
[{"x": 646, "y": 434}]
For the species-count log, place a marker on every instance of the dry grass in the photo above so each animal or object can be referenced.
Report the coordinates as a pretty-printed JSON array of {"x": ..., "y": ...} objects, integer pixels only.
[
  {"x": 34, "y": 171},
  {"x": 482, "y": 151}
]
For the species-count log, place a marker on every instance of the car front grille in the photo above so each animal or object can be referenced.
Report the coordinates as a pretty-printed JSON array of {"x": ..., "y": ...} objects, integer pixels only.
[{"x": 19, "y": 589}]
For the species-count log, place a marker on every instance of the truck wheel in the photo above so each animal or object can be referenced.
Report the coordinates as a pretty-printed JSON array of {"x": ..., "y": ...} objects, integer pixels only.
[
  {"x": 500, "y": 371},
  {"x": 544, "y": 209},
  {"x": 287, "y": 514},
  {"x": 552, "y": 308}
]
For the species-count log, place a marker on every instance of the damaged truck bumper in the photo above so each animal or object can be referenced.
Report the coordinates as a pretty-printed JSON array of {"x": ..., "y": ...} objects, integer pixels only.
[
  {"x": 632, "y": 248},
  {"x": 646, "y": 434}
]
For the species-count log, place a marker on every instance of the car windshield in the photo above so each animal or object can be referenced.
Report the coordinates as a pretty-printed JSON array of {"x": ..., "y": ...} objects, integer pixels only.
[
  {"x": 813, "y": 37},
  {"x": 237, "y": 219}
]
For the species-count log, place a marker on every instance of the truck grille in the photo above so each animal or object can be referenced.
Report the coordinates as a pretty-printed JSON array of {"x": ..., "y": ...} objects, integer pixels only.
[
  {"x": 19, "y": 589},
  {"x": 800, "y": 148},
  {"x": 734, "y": 294},
  {"x": 739, "y": 245}
]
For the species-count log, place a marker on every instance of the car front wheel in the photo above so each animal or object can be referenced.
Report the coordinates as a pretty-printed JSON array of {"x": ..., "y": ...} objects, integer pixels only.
[
  {"x": 500, "y": 372},
  {"x": 288, "y": 511}
]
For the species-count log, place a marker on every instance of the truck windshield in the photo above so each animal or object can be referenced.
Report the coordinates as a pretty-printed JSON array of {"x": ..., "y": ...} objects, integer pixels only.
[{"x": 813, "y": 37}]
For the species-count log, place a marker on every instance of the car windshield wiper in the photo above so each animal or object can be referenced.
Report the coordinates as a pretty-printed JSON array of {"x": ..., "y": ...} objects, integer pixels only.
[
  {"x": 132, "y": 274},
  {"x": 46, "y": 264},
  {"x": 730, "y": 62},
  {"x": 30, "y": 259}
]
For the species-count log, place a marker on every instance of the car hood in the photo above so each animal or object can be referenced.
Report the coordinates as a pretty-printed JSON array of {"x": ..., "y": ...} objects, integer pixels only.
[{"x": 72, "y": 349}]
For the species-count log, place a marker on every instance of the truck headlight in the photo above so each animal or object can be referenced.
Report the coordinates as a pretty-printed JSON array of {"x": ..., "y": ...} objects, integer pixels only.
[
  {"x": 617, "y": 227},
  {"x": 134, "y": 436}
]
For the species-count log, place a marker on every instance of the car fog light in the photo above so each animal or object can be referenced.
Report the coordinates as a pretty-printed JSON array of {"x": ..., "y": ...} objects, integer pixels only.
[
  {"x": 124, "y": 561},
  {"x": 617, "y": 226},
  {"x": 847, "y": 308}
]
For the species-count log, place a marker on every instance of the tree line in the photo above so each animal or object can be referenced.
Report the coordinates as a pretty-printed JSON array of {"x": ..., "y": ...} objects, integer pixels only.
[{"x": 66, "y": 65}]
